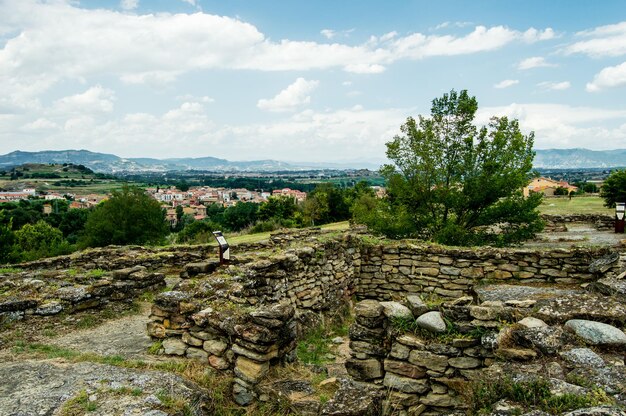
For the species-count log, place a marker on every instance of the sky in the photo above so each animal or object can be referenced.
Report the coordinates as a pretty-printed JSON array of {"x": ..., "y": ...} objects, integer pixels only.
[{"x": 301, "y": 81}]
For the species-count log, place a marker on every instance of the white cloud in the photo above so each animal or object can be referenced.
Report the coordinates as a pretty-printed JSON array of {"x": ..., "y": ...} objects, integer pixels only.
[
  {"x": 129, "y": 4},
  {"x": 40, "y": 124},
  {"x": 534, "y": 62},
  {"x": 451, "y": 24},
  {"x": 609, "y": 77},
  {"x": 555, "y": 86},
  {"x": 191, "y": 2},
  {"x": 192, "y": 98},
  {"x": 564, "y": 126},
  {"x": 506, "y": 83},
  {"x": 307, "y": 135},
  {"x": 533, "y": 35},
  {"x": 94, "y": 100},
  {"x": 292, "y": 97},
  {"x": 364, "y": 68},
  {"x": 328, "y": 33},
  {"x": 59, "y": 41},
  {"x": 607, "y": 40}
]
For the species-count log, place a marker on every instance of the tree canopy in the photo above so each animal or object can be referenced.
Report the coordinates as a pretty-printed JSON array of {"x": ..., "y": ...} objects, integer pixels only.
[
  {"x": 456, "y": 183},
  {"x": 130, "y": 216},
  {"x": 614, "y": 188}
]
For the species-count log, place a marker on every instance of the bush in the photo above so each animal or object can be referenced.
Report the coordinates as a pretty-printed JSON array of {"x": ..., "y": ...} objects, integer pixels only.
[{"x": 198, "y": 232}]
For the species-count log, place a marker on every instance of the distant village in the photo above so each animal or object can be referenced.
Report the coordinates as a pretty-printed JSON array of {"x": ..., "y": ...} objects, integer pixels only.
[{"x": 195, "y": 200}]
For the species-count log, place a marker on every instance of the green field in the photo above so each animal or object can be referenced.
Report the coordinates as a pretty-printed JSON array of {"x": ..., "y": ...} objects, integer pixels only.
[
  {"x": 70, "y": 179},
  {"x": 576, "y": 205}
]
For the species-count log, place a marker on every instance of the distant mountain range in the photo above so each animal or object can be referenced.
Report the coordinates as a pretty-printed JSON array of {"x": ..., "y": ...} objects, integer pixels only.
[
  {"x": 579, "y": 158},
  {"x": 108, "y": 163}
]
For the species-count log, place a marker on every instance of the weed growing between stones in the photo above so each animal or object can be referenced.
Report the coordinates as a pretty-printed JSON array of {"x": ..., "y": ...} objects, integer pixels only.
[
  {"x": 155, "y": 348},
  {"x": 536, "y": 394},
  {"x": 404, "y": 325},
  {"x": 174, "y": 404},
  {"x": 314, "y": 347},
  {"x": 96, "y": 273},
  {"x": 8, "y": 270},
  {"x": 78, "y": 405}
]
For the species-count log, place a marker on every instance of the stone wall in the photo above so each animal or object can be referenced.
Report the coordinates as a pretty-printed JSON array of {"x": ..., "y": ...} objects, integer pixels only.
[
  {"x": 419, "y": 372},
  {"x": 116, "y": 257},
  {"x": 246, "y": 317},
  {"x": 560, "y": 222},
  {"x": 392, "y": 271},
  {"x": 28, "y": 294}
]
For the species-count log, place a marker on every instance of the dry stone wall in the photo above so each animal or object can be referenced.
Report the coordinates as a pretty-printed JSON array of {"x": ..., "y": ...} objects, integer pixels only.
[
  {"x": 560, "y": 222},
  {"x": 27, "y": 294},
  {"x": 392, "y": 271},
  {"x": 247, "y": 317}
]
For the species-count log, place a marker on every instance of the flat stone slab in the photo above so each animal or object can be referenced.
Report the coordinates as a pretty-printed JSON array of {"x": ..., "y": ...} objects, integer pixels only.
[
  {"x": 520, "y": 292},
  {"x": 583, "y": 356},
  {"x": 589, "y": 306},
  {"x": 32, "y": 388},
  {"x": 596, "y": 333}
]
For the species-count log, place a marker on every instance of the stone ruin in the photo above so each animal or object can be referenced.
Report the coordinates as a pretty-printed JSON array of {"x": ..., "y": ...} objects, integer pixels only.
[{"x": 428, "y": 320}]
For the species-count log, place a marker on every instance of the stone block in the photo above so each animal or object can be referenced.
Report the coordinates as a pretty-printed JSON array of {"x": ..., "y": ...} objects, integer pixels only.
[
  {"x": 405, "y": 384},
  {"x": 429, "y": 360},
  {"x": 364, "y": 369},
  {"x": 249, "y": 370}
]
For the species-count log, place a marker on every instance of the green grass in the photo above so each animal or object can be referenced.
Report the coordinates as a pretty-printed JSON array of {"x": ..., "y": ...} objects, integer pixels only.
[
  {"x": 313, "y": 348},
  {"x": 78, "y": 405},
  {"x": 96, "y": 273},
  {"x": 529, "y": 394},
  {"x": 576, "y": 205},
  {"x": 6, "y": 270}
]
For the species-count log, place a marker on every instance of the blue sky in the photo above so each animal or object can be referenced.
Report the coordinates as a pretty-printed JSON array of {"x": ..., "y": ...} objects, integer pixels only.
[{"x": 301, "y": 81}]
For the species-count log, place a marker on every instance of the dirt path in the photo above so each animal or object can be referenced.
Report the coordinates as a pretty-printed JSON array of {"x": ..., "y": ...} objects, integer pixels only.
[{"x": 126, "y": 337}]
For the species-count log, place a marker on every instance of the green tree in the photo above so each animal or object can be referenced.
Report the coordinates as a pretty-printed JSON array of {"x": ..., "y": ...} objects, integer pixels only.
[
  {"x": 198, "y": 232},
  {"x": 278, "y": 207},
  {"x": 33, "y": 241},
  {"x": 240, "y": 215},
  {"x": 561, "y": 191},
  {"x": 614, "y": 188},
  {"x": 72, "y": 223},
  {"x": 458, "y": 184},
  {"x": 7, "y": 238},
  {"x": 130, "y": 216},
  {"x": 327, "y": 203}
]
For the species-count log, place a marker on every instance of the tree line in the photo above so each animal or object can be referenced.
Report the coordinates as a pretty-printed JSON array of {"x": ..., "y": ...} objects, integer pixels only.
[{"x": 131, "y": 216}]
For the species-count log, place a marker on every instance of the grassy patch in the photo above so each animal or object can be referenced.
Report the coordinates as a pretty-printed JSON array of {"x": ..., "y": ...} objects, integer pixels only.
[
  {"x": 96, "y": 273},
  {"x": 314, "y": 347},
  {"x": 155, "y": 347},
  {"x": 576, "y": 205},
  {"x": 529, "y": 394},
  {"x": 78, "y": 405},
  {"x": 408, "y": 325},
  {"x": 7, "y": 270}
]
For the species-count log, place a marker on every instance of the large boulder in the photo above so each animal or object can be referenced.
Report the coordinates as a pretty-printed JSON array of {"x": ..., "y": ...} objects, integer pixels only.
[{"x": 596, "y": 333}]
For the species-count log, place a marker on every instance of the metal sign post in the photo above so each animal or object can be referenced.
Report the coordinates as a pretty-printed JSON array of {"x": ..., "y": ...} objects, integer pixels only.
[
  {"x": 620, "y": 212},
  {"x": 224, "y": 247}
]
